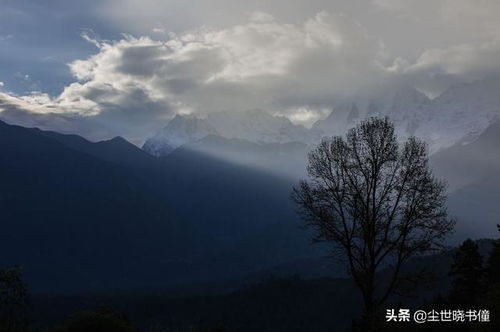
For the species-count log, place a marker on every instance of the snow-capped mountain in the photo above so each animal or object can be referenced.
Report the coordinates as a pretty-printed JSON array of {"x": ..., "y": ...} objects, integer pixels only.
[
  {"x": 461, "y": 114},
  {"x": 342, "y": 117},
  {"x": 458, "y": 115},
  {"x": 257, "y": 126},
  {"x": 405, "y": 106},
  {"x": 179, "y": 131},
  {"x": 254, "y": 125}
]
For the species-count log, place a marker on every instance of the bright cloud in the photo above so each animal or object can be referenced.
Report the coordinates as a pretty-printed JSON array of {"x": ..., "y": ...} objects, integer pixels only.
[
  {"x": 260, "y": 64},
  {"x": 298, "y": 68}
]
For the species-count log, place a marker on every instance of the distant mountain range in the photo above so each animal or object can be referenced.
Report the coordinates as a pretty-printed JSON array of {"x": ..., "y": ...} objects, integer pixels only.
[
  {"x": 459, "y": 115},
  {"x": 255, "y": 126}
]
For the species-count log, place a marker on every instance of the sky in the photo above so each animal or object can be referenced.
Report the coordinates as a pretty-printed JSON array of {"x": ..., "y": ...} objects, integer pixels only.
[{"x": 124, "y": 68}]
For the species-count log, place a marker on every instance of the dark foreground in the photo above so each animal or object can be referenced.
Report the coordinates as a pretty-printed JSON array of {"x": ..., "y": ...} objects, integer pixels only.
[{"x": 286, "y": 304}]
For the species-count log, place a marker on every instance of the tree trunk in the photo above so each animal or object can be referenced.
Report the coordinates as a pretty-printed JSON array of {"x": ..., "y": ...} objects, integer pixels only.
[
  {"x": 369, "y": 317},
  {"x": 368, "y": 323}
]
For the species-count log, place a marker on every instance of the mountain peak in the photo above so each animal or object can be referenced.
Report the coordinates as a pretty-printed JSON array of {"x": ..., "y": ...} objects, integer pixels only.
[
  {"x": 253, "y": 125},
  {"x": 118, "y": 139},
  {"x": 462, "y": 112},
  {"x": 178, "y": 131}
]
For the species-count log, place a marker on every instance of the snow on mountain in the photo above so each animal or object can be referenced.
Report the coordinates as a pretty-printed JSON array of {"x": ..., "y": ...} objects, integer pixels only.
[
  {"x": 179, "y": 131},
  {"x": 459, "y": 115},
  {"x": 405, "y": 106},
  {"x": 257, "y": 126},
  {"x": 409, "y": 111},
  {"x": 254, "y": 125},
  {"x": 342, "y": 117}
]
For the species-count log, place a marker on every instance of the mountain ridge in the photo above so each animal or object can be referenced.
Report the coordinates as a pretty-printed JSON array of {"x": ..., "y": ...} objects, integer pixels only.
[
  {"x": 94, "y": 223},
  {"x": 460, "y": 114}
]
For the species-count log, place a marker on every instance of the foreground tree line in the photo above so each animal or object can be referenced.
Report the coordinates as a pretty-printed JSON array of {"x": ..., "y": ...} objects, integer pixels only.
[
  {"x": 377, "y": 204},
  {"x": 475, "y": 283}
]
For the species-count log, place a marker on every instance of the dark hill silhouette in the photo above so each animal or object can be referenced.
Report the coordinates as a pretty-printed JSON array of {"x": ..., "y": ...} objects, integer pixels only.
[
  {"x": 83, "y": 216},
  {"x": 116, "y": 150},
  {"x": 75, "y": 221}
]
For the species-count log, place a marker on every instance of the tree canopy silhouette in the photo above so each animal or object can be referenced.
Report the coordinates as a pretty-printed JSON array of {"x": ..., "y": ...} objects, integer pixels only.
[
  {"x": 492, "y": 296},
  {"x": 493, "y": 263},
  {"x": 467, "y": 275},
  {"x": 376, "y": 202}
]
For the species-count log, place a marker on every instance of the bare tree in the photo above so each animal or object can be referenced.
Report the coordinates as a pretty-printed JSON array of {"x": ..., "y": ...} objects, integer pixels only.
[{"x": 376, "y": 202}]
